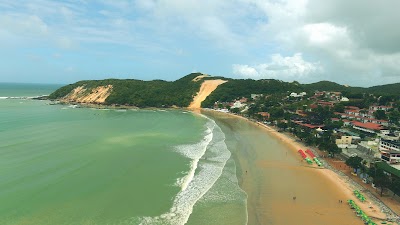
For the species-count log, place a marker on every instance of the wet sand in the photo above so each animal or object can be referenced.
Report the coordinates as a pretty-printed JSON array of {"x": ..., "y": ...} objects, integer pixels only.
[{"x": 272, "y": 173}]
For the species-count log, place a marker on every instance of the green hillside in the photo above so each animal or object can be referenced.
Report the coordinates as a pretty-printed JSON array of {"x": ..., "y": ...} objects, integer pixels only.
[
  {"x": 160, "y": 93},
  {"x": 156, "y": 93},
  {"x": 244, "y": 88}
]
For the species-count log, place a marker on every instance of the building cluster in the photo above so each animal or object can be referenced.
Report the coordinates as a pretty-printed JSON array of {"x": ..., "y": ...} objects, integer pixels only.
[{"x": 360, "y": 129}]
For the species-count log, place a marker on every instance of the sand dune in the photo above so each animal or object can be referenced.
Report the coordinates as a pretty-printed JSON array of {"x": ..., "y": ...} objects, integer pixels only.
[
  {"x": 96, "y": 95},
  {"x": 207, "y": 87}
]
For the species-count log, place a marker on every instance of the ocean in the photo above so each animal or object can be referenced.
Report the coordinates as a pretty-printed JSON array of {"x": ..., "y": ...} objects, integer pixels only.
[{"x": 62, "y": 164}]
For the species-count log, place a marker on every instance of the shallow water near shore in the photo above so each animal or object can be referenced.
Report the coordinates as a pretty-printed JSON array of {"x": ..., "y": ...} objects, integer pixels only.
[{"x": 65, "y": 165}]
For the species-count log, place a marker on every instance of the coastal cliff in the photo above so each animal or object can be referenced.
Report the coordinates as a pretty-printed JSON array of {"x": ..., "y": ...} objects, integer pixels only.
[{"x": 190, "y": 90}]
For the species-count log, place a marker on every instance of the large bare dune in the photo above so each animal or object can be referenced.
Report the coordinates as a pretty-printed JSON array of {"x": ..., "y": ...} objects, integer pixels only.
[{"x": 207, "y": 87}]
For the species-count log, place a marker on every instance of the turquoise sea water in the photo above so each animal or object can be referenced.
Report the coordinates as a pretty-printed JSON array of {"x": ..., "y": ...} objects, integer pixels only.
[{"x": 66, "y": 165}]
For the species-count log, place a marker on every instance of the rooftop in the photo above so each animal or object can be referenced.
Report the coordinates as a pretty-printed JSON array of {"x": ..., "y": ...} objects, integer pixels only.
[{"x": 371, "y": 126}]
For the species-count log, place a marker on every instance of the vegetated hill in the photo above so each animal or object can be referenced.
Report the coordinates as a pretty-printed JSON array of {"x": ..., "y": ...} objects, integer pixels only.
[
  {"x": 156, "y": 93},
  {"x": 325, "y": 86},
  {"x": 235, "y": 88},
  {"x": 387, "y": 89},
  {"x": 160, "y": 93}
]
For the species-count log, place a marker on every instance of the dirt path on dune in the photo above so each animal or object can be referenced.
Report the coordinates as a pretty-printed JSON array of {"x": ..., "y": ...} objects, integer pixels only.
[{"x": 207, "y": 87}]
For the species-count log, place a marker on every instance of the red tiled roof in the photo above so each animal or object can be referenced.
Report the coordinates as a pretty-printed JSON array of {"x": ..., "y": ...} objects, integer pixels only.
[
  {"x": 308, "y": 125},
  {"x": 353, "y": 107},
  {"x": 371, "y": 126},
  {"x": 265, "y": 114}
]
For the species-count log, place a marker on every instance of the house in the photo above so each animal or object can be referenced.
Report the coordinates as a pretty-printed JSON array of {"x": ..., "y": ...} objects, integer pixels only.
[
  {"x": 301, "y": 113},
  {"x": 352, "y": 112},
  {"x": 367, "y": 127},
  {"x": 324, "y": 103},
  {"x": 295, "y": 95},
  {"x": 344, "y": 99},
  {"x": 243, "y": 100},
  {"x": 307, "y": 125},
  {"x": 346, "y": 122},
  {"x": 237, "y": 104},
  {"x": 344, "y": 140},
  {"x": 380, "y": 107},
  {"x": 335, "y": 119},
  {"x": 265, "y": 115},
  {"x": 256, "y": 96}
]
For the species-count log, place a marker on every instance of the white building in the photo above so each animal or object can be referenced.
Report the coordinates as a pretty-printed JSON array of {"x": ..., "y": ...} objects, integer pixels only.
[
  {"x": 344, "y": 99},
  {"x": 390, "y": 150},
  {"x": 295, "y": 95},
  {"x": 389, "y": 145},
  {"x": 238, "y": 104}
]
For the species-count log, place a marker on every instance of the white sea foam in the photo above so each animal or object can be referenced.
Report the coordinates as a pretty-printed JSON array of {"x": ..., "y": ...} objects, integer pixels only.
[
  {"x": 3, "y": 97},
  {"x": 200, "y": 178}
]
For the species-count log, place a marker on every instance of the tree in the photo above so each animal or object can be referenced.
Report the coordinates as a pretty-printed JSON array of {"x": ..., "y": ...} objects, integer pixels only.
[
  {"x": 276, "y": 113},
  {"x": 381, "y": 180},
  {"x": 394, "y": 116},
  {"x": 234, "y": 110},
  {"x": 395, "y": 187},
  {"x": 384, "y": 100},
  {"x": 338, "y": 108},
  {"x": 282, "y": 125},
  {"x": 380, "y": 115},
  {"x": 354, "y": 162},
  {"x": 333, "y": 149}
]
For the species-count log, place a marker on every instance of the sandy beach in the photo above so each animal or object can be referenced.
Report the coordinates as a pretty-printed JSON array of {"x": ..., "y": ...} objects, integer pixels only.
[{"x": 272, "y": 173}]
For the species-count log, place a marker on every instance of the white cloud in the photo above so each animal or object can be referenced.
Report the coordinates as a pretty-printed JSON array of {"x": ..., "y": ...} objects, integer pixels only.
[
  {"x": 354, "y": 42},
  {"x": 21, "y": 24},
  {"x": 283, "y": 68}
]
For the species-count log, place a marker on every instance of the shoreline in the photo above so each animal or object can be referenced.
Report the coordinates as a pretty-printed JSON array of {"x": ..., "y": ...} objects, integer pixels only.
[
  {"x": 341, "y": 181},
  {"x": 372, "y": 207}
]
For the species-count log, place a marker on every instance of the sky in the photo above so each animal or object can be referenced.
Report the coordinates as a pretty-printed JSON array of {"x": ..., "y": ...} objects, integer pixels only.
[{"x": 353, "y": 42}]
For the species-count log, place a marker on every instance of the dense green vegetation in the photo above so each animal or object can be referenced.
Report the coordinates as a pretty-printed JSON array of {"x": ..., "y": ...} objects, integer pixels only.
[
  {"x": 156, "y": 93},
  {"x": 244, "y": 88},
  {"x": 325, "y": 86}
]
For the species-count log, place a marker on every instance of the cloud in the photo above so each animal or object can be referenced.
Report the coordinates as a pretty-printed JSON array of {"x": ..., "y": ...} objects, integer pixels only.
[
  {"x": 306, "y": 40},
  {"x": 353, "y": 42},
  {"x": 279, "y": 67},
  {"x": 21, "y": 24}
]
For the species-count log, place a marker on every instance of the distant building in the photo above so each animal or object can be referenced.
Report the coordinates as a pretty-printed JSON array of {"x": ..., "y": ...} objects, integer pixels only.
[
  {"x": 237, "y": 104},
  {"x": 243, "y": 100},
  {"x": 390, "y": 150},
  {"x": 294, "y": 94},
  {"x": 324, "y": 103},
  {"x": 386, "y": 145},
  {"x": 265, "y": 115},
  {"x": 391, "y": 170},
  {"x": 367, "y": 127},
  {"x": 344, "y": 99},
  {"x": 256, "y": 96},
  {"x": 307, "y": 125},
  {"x": 380, "y": 107},
  {"x": 344, "y": 140}
]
